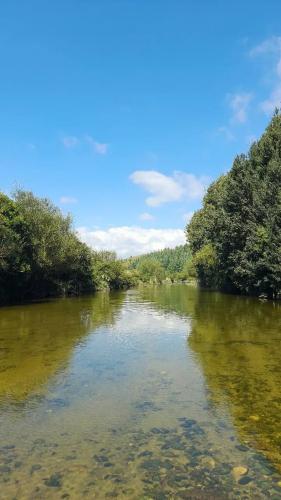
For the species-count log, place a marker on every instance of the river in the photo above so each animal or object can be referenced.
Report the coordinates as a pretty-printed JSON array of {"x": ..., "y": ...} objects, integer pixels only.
[{"x": 155, "y": 393}]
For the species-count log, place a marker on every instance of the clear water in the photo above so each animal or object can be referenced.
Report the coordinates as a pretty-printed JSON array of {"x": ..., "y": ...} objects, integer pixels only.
[{"x": 157, "y": 393}]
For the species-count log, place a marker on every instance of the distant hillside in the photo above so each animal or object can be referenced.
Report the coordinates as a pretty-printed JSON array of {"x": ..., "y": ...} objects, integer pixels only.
[{"x": 173, "y": 260}]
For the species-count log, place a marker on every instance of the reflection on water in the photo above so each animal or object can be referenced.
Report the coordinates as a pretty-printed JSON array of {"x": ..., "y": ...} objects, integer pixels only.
[
  {"x": 160, "y": 393},
  {"x": 37, "y": 340},
  {"x": 237, "y": 342}
]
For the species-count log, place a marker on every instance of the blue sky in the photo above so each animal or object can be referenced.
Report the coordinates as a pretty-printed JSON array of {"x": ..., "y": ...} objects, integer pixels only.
[{"x": 122, "y": 112}]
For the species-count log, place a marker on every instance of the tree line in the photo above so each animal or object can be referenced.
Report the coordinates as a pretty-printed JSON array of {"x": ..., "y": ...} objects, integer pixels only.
[
  {"x": 235, "y": 238},
  {"x": 170, "y": 264},
  {"x": 41, "y": 255}
]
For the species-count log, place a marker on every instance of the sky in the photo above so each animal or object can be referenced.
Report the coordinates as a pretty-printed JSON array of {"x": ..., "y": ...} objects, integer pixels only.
[{"x": 123, "y": 112}]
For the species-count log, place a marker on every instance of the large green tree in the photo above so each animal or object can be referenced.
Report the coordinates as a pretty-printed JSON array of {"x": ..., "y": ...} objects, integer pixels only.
[
  {"x": 12, "y": 241},
  {"x": 41, "y": 255},
  {"x": 236, "y": 237}
]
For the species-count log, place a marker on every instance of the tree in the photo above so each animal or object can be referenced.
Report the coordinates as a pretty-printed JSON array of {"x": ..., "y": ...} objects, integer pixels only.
[
  {"x": 236, "y": 237},
  {"x": 150, "y": 271},
  {"x": 12, "y": 263},
  {"x": 173, "y": 260},
  {"x": 109, "y": 272}
]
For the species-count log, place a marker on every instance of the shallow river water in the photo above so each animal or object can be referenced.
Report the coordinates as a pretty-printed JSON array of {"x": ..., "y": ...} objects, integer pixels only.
[{"x": 156, "y": 393}]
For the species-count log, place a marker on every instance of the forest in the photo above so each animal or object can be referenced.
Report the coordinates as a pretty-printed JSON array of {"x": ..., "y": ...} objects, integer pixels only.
[
  {"x": 171, "y": 264},
  {"x": 235, "y": 238}
]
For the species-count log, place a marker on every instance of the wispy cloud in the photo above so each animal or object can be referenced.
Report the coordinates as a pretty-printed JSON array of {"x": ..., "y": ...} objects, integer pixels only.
[
  {"x": 239, "y": 104},
  {"x": 70, "y": 141},
  {"x": 226, "y": 132},
  {"x": 269, "y": 45},
  {"x": 100, "y": 148},
  {"x": 68, "y": 200},
  {"x": 239, "y": 108},
  {"x": 128, "y": 240},
  {"x": 271, "y": 49},
  {"x": 274, "y": 100},
  {"x": 164, "y": 188},
  {"x": 146, "y": 216}
]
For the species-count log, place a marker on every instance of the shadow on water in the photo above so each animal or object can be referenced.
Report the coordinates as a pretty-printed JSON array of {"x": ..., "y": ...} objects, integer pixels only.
[
  {"x": 38, "y": 340},
  {"x": 237, "y": 343}
]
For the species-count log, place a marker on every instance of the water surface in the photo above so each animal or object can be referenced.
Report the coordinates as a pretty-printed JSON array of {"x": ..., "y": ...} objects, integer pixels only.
[{"x": 157, "y": 393}]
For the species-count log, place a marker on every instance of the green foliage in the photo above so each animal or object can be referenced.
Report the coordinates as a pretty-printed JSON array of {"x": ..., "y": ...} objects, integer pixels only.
[
  {"x": 12, "y": 262},
  {"x": 150, "y": 271},
  {"x": 235, "y": 238},
  {"x": 205, "y": 262},
  {"x": 41, "y": 256},
  {"x": 173, "y": 262},
  {"x": 108, "y": 272}
]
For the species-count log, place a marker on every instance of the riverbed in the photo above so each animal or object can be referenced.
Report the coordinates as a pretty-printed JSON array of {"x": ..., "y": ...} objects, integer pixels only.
[{"x": 156, "y": 393}]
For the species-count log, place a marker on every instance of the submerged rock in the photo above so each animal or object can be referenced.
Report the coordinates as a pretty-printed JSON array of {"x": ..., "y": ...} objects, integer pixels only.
[
  {"x": 242, "y": 447},
  {"x": 208, "y": 462},
  {"x": 145, "y": 453},
  {"x": 8, "y": 447},
  {"x": 254, "y": 418},
  {"x": 245, "y": 480},
  {"x": 151, "y": 464},
  {"x": 239, "y": 471},
  {"x": 58, "y": 403},
  {"x": 159, "y": 430},
  {"x": 101, "y": 459},
  {"x": 34, "y": 468},
  {"x": 187, "y": 422},
  {"x": 5, "y": 468},
  {"x": 54, "y": 481}
]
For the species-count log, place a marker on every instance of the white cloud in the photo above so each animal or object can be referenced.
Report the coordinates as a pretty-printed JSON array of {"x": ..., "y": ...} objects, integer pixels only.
[
  {"x": 239, "y": 104},
  {"x": 146, "y": 216},
  {"x": 271, "y": 48},
  {"x": 131, "y": 240},
  {"x": 68, "y": 200},
  {"x": 193, "y": 187},
  {"x": 70, "y": 141},
  {"x": 99, "y": 147},
  {"x": 164, "y": 188}
]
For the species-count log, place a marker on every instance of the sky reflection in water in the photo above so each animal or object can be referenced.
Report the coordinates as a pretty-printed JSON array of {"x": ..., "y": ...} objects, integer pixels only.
[{"x": 153, "y": 393}]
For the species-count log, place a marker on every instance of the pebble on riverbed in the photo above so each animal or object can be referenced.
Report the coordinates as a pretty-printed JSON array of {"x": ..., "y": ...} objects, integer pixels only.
[{"x": 239, "y": 471}]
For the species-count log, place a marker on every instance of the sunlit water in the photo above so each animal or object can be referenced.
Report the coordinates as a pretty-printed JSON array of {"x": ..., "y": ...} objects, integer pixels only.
[{"x": 158, "y": 393}]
